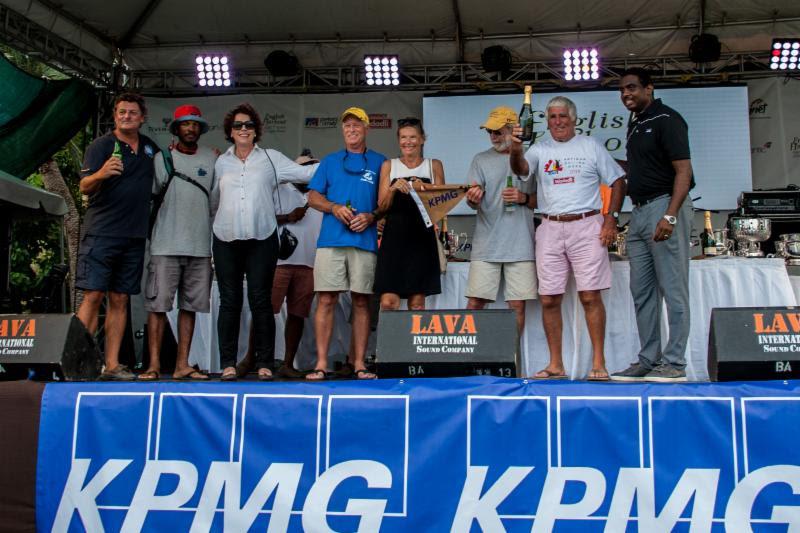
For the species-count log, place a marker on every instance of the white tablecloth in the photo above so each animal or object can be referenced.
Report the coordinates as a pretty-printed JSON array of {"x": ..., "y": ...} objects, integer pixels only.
[
  {"x": 795, "y": 281},
  {"x": 719, "y": 282}
]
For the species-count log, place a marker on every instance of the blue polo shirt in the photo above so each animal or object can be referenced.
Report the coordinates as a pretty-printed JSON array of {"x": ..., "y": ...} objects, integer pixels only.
[
  {"x": 121, "y": 206},
  {"x": 345, "y": 176}
]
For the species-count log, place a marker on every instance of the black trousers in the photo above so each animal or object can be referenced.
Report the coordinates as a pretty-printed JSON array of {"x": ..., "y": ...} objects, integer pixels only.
[{"x": 255, "y": 259}]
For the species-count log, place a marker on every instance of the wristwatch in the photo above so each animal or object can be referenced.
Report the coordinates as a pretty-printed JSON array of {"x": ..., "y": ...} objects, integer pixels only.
[
  {"x": 615, "y": 215},
  {"x": 671, "y": 219}
]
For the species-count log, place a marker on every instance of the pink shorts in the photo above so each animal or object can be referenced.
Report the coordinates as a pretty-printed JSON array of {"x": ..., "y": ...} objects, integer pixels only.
[{"x": 561, "y": 246}]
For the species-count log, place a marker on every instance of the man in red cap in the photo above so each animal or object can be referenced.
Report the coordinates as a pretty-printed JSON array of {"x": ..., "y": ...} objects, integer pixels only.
[{"x": 180, "y": 244}]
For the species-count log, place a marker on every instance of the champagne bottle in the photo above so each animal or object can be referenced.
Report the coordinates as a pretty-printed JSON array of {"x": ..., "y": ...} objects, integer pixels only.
[
  {"x": 509, "y": 205},
  {"x": 526, "y": 117},
  {"x": 443, "y": 238},
  {"x": 707, "y": 237},
  {"x": 117, "y": 150}
]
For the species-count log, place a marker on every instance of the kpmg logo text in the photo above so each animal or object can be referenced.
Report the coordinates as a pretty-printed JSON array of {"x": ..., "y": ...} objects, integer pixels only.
[{"x": 654, "y": 463}]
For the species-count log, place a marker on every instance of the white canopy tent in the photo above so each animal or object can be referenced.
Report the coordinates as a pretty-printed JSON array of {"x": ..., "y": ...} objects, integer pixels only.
[{"x": 158, "y": 40}]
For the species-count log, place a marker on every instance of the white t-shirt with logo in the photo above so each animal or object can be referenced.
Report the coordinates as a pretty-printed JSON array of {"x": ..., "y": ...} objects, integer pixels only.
[
  {"x": 306, "y": 229},
  {"x": 569, "y": 174}
]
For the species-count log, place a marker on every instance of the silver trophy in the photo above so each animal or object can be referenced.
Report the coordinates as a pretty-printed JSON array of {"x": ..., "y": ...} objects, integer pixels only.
[
  {"x": 749, "y": 232},
  {"x": 725, "y": 246}
]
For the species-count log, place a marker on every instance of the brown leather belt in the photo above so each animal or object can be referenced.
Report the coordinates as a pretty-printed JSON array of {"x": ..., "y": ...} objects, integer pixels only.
[{"x": 571, "y": 218}]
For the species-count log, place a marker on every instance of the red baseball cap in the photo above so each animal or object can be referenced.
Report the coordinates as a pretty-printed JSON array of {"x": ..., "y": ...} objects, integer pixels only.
[{"x": 187, "y": 112}]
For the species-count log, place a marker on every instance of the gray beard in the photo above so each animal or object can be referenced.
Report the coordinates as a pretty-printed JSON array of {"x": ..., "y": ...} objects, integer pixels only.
[{"x": 501, "y": 146}]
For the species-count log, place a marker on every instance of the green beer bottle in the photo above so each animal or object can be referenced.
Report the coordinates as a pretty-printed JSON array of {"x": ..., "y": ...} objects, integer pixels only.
[
  {"x": 509, "y": 205},
  {"x": 117, "y": 151}
]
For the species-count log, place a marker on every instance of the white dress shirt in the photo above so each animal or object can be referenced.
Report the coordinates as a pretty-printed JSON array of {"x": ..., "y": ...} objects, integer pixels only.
[{"x": 242, "y": 199}]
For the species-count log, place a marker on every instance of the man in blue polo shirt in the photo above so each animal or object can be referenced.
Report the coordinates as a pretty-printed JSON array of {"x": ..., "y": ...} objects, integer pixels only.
[
  {"x": 345, "y": 188},
  {"x": 117, "y": 176}
]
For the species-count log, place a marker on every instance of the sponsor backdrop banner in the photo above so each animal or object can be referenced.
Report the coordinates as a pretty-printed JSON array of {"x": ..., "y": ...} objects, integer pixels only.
[
  {"x": 419, "y": 455},
  {"x": 293, "y": 122}
]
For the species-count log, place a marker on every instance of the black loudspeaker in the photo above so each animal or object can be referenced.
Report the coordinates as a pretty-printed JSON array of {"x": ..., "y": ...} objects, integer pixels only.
[
  {"x": 447, "y": 343},
  {"x": 705, "y": 48},
  {"x": 496, "y": 58},
  {"x": 49, "y": 347},
  {"x": 282, "y": 63},
  {"x": 754, "y": 343}
]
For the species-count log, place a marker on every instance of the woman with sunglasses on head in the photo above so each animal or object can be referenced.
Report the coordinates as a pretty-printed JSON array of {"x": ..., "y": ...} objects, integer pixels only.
[
  {"x": 408, "y": 259},
  {"x": 246, "y": 236}
]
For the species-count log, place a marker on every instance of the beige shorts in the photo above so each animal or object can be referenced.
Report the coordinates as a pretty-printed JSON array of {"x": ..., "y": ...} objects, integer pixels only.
[
  {"x": 190, "y": 276},
  {"x": 344, "y": 269},
  {"x": 484, "y": 280}
]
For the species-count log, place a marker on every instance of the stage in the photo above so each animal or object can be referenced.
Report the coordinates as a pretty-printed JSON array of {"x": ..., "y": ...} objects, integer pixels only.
[
  {"x": 455, "y": 454},
  {"x": 717, "y": 282}
]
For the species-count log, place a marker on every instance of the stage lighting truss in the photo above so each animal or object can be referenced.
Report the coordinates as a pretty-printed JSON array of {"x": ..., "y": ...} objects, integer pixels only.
[
  {"x": 213, "y": 71},
  {"x": 382, "y": 70},
  {"x": 581, "y": 64},
  {"x": 784, "y": 55}
]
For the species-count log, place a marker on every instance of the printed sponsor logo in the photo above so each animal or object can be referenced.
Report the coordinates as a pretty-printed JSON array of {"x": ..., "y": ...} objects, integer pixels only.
[
  {"x": 380, "y": 121},
  {"x": 763, "y": 149},
  {"x": 758, "y": 108},
  {"x": 321, "y": 122},
  {"x": 562, "y": 181},
  {"x": 17, "y": 336},
  {"x": 275, "y": 123},
  {"x": 778, "y": 332},
  {"x": 526, "y": 462},
  {"x": 553, "y": 167}
]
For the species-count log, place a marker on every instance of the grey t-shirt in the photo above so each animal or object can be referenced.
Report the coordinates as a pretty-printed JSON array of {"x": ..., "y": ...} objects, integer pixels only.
[
  {"x": 183, "y": 226},
  {"x": 500, "y": 236}
]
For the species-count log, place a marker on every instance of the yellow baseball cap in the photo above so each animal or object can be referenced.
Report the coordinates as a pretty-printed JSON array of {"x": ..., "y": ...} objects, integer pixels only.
[
  {"x": 357, "y": 112},
  {"x": 499, "y": 117}
]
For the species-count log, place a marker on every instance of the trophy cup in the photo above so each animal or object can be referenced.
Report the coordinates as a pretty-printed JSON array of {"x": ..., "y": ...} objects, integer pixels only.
[{"x": 749, "y": 232}]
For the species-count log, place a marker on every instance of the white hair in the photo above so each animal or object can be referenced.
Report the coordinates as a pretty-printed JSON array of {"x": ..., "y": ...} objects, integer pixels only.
[{"x": 563, "y": 101}]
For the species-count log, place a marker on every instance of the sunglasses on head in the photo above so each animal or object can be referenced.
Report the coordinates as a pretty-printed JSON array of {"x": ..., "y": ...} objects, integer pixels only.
[
  {"x": 248, "y": 125},
  {"x": 410, "y": 121}
]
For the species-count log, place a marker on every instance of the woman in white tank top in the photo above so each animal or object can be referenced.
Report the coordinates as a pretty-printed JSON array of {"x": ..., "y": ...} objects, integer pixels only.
[{"x": 408, "y": 258}]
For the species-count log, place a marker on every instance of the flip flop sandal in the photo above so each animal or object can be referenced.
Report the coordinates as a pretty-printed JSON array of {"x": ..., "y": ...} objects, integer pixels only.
[
  {"x": 194, "y": 375},
  {"x": 317, "y": 375},
  {"x": 265, "y": 374},
  {"x": 365, "y": 374},
  {"x": 229, "y": 376},
  {"x": 597, "y": 375},
  {"x": 150, "y": 375},
  {"x": 549, "y": 375}
]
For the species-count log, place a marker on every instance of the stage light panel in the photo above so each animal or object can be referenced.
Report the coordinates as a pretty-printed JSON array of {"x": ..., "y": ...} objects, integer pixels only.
[
  {"x": 784, "y": 54},
  {"x": 213, "y": 70},
  {"x": 581, "y": 64},
  {"x": 382, "y": 70}
]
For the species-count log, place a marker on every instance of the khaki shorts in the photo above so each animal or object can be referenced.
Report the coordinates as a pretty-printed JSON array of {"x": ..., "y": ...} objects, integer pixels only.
[
  {"x": 484, "y": 280},
  {"x": 191, "y": 276},
  {"x": 295, "y": 284},
  {"x": 344, "y": 269}
]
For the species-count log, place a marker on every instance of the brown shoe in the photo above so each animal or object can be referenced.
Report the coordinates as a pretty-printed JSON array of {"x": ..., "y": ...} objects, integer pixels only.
[{"x": 288, "y": 372}]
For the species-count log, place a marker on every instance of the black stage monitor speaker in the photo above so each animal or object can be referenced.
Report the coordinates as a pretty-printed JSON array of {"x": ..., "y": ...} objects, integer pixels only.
[
  {"x": 47, "y": 347},
  {"x": 705, "y": 48},
  {"x": 496, "y": 58},
  {"x": 282, "y": 63},
  {"x": 754, "y": 343},
  {"x": 446, "y": 343}
]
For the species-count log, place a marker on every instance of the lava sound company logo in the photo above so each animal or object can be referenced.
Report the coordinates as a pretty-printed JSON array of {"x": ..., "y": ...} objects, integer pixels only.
[
  {"x": 553, "y": 167},
  {"x": 732, "y": 463}
]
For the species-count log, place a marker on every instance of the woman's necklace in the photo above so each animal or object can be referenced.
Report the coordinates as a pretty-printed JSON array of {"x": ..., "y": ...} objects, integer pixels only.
[
  {"x": 242, "y": 157},
  {"x": 417, "y": 162}
]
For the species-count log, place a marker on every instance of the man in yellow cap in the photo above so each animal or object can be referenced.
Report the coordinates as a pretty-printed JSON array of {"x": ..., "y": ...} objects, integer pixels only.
[
  {"x": 503, "y": 243},
  {"x": 345, "y": 189}
]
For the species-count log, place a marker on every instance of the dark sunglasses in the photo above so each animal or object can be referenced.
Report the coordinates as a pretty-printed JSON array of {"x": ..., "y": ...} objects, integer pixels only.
[
  {"x": 249, "y": 125},
  {"x": 494, "y": 132},
  {"x": 354, "y": 165},
  {"x": 410, "y": 121}
]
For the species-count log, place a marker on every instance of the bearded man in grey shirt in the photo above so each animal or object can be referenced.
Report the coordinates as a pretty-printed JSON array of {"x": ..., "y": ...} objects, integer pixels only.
[
  {"x": 503, "y": 242},
  {"x": 180, "y": 245}
]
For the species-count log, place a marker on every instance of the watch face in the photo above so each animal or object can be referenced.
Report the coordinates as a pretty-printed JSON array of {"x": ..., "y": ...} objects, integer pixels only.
[{"x": 672, "y": 220}]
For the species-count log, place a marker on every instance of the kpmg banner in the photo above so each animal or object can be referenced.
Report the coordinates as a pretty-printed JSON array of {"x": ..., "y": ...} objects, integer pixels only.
[{"x": 420, "y": 455}]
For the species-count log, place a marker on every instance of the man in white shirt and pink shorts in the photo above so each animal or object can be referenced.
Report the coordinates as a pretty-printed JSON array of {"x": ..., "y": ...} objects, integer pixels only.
[{"x": 574, "y": 234}]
